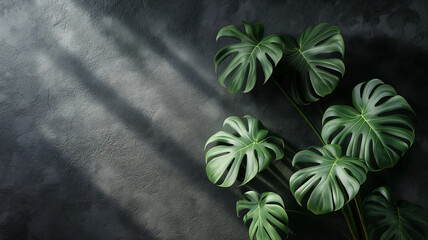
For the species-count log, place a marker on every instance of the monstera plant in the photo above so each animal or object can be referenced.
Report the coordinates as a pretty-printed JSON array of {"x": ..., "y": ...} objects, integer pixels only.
[
  {"x": 369, "y": 136},
  {"x": 252, "y": 144}
]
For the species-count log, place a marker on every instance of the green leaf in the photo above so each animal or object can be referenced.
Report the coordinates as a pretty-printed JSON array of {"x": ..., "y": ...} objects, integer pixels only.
[
  {"x": 264, "y": 211},
  {"x": 377, "y": 134},
  {"x": 331, "y": 180},
  {"x": 313, "y": 80},
  {"x": 252, "y": 143},
  {"x": 252, "y": 48},
  {"x": 392, "y": 220}
]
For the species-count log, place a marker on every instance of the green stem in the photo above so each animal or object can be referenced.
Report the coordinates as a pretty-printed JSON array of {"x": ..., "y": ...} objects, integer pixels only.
[
  {"x": 349, "y": 225},
  {"x": 349, "y": 220},
  {"x": 352, "y": 219},
  {"x": 300, "y": 111},
  {"x": 299, "y": 212},
  {"x": 357, "y": 205},
  {"x": 319, "y": 108}
]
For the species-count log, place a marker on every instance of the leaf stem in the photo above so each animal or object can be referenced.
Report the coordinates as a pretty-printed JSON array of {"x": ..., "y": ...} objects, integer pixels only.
[
  {"x": 357, "y": 205},
  {"x": 299, "y": 212},
  {"x": 349, "y": 219},
  {"x": 352, "y": 219},
  {"x": 300, "y": 111},
  {"x": 349, "y": 224}
]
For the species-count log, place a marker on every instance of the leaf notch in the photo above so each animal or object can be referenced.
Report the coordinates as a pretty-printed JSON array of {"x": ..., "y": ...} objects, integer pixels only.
[
  {"x": 265, "y": 212},
  {"x": 252, "y": 145},
  {"x": 253, "y": 49}
]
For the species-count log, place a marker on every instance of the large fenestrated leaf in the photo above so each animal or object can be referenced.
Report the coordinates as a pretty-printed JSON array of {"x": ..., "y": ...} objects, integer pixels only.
[
  {"x": 253, "y": 143},
  {"x": 305, "y": 57},
  {"x": 394, "y": 220},
  {"x": 331, "y": 180},
  {"x": 378, "y": 133},
  {"x": 265, "y": 212},
  {"x": 253, "y": 48}
]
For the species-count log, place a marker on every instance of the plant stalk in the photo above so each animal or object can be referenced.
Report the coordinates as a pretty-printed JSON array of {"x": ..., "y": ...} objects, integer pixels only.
[
  {"x": 300, "y": 111},
  {"x": 299, "y": 212},
  {"x": 349, "y": 225},
  {"x": 357, "y": 205},
  {"x": 352, "y": 220},
  {"x": 352, "y": 228}
]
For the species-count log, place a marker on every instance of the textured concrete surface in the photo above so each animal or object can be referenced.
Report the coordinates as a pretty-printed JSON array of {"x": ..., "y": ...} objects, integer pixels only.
[{"x": 105, "y": 107}]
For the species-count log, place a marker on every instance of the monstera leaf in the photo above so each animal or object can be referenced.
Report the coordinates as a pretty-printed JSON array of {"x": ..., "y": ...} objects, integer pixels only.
[
  {"x": 373, "y": 125},
  {"x": 331, "y": 180},
  {"x": 392, "y": 220},
  {"x": 264, "y": 211},
  {"x": 313, "y": 80},
  {"x": 252, "y": 48},
  {"x": 253, "y": 143}
]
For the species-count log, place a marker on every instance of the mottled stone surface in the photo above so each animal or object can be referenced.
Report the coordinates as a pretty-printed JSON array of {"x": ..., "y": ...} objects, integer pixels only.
[{"x": 105, "y": 107}]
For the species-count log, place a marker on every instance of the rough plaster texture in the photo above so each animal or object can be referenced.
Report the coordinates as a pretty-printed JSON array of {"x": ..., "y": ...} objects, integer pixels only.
[{"x": 105, "y": 107}]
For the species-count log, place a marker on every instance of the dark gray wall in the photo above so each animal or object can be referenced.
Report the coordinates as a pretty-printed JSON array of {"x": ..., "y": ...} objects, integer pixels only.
[{"x": 105, "y": 107}]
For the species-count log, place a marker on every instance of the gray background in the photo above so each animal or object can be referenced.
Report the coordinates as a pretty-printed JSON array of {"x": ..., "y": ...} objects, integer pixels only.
[{"x": 105, "y": 107}]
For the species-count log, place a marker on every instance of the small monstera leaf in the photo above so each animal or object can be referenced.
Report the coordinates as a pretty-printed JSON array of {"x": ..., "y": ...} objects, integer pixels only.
[
  {"x": 372, "y": 125},
  {"x": 331, "y": 180},
  {"x": 253, "y": 143},
  {"x": 264, "y": 211},
  {"x": 394, "y": 220},
  {"x": 252, "y": 48},
  {"x": 313, "y": 80}
]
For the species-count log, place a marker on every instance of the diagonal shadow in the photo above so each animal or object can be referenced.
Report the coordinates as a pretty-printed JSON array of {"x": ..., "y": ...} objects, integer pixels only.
[
  {"x": 141, "y": 125},
  {"x": 143, "y": 34},
  {"x": 157, "y": 45},
  {"x": 43, "y": 195},
  {"x": 154, "y": 43},
  {"x": 363, "y": 65}
]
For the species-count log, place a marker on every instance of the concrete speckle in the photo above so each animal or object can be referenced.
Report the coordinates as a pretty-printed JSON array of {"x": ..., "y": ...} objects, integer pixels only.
[{"x": 105, "y": 107}]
